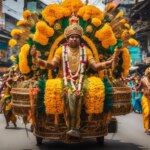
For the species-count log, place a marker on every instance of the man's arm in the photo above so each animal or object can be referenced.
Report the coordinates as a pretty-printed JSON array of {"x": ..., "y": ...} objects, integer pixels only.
[
  {"x": 100, "y": 66},
  {"x": 48, "y": 65}
]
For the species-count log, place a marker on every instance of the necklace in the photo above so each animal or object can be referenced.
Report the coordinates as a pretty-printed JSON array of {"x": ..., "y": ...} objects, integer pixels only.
[{"x": 75, "y": 80}]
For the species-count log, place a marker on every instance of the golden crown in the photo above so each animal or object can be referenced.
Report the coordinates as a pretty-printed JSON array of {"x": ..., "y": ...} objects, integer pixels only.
[{"x": 74, "y": 27}]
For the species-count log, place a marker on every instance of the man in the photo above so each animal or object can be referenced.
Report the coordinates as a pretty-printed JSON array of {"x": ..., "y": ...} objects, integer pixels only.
[
  {"x": 72, "y": 60},
  {"x": 6, "y": 100},
  {"x": 145, "y": 88}
]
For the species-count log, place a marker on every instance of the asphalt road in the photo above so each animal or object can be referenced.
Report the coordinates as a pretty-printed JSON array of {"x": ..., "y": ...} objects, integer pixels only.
[{"x": 130, "y": 136}]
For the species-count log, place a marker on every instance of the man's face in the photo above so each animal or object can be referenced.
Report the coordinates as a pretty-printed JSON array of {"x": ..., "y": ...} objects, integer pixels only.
[{"x": 73, "y": 41}]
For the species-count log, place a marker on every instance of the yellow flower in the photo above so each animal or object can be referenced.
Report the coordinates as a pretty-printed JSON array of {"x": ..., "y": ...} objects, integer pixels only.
[
  {"x": 109, "y": 7},
  {"x": 12, "y": 43},
  {"x": 109, "y": 42},
  {"x": 133, "y": 42},
  {"x": 40, "y": 38},
  {"x": 73, "y": 6},
  {"x": 96, "y": 22},
  {"x": 23, "y": 59},
  {"x": 89, "y": 29},
  {"x": 15, "y": 32},
  {"x": 131, "y": 32},
  {"x": 22, "y": 22},
  {"x": 89, "y": 11},
  {"x": 26, "y": 14},
  {"x": 124, "y": 34},
  {"x": 53, "y": 12},
  {"x": 122, "y": 21},
  {"x": 119, "y": 15},
  {"x": 44, "y": 29},
  {"x": 12, "y": 58},
  {"x": 104, "y": 33},
  {"x": 127, "y": 25}
]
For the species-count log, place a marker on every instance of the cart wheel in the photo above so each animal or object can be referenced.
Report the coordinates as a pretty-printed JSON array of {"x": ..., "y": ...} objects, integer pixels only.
[
  {"x": 39, "y": 141},
  {"x": 112, "y": 126},
  {"x": 100, "y": 140}
]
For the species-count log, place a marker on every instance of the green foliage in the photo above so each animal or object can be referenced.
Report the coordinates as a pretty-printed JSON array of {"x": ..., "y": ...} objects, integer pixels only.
[
  {"x": 108, "y": 89},
  {"x": 40, "y": 98}
]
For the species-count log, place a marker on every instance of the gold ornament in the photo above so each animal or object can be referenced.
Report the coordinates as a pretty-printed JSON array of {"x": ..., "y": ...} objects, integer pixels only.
[
  {"x": 89, "y": 29},
  {"x": 57, "y": 26}
]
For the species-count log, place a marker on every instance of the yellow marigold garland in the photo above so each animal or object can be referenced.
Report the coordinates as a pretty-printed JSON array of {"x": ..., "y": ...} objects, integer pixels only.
[
  {"x": 94, "y": 97},
  {"x": 53, "y": 97},
  {"x": 12, "y": 43},
  {"x": 23, "y": 61},
  {"x": 126, "y": 62},
  {"x": 95, "y": 52}
]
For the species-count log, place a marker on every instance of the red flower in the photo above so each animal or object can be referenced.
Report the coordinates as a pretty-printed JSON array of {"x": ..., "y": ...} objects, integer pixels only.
[
  {"x": 75, "y": 77},
  {"x": 65, "y": 44},
  {"x": 83, "y": 61},
  {"x": 82, "y": 45},
  {"x": 78, "y": 93}
]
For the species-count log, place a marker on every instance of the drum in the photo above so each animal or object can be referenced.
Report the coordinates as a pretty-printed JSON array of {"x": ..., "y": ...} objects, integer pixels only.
[
  {"x": 20, "y": 101},
  {"x": 121, "y": 100}
]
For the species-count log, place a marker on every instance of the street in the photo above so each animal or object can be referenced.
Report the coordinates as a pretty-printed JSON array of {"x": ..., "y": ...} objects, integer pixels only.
[{"x": 130, "y": 136}]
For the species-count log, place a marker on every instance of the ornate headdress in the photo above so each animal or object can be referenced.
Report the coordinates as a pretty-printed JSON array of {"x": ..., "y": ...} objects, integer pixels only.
[
  {"x": 74, "y": 27},
  {"x": 147, "y": 71}
]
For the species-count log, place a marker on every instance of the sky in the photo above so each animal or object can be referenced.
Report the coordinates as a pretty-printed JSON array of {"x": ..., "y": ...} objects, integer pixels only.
[{"x": 97, "y": 3}]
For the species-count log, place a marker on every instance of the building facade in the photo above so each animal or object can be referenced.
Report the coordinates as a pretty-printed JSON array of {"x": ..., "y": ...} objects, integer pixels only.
[
  {"x": 10, "y": 12},
  {"x": 140, "y": 20}
]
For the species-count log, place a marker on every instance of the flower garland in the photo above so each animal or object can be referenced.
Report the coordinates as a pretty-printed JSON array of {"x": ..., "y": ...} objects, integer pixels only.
[
  {"x": 23, "y": 59},
  {"x": 95, "y": 95},
  {"x": 76, "y": 80},
  {"x": 53, "y": 99},
  {"x": 126, "y": 62}
]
